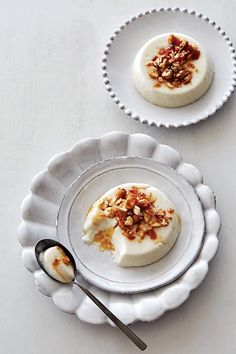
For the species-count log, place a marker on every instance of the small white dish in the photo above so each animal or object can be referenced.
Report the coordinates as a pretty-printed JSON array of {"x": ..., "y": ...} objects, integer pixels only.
[
  {"x": 134, "y": 33},
  {"x": 98, "y": 267},
  {"x": 40, "y": 209}
]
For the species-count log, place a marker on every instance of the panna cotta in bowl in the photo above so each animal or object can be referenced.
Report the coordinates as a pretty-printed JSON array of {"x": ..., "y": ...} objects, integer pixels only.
[
  {"x": 136, "y": 222},
  {"x": 172, "y": 70}
]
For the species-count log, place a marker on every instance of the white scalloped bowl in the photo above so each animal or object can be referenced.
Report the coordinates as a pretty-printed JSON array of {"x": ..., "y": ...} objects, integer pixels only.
[
  {"x": 98, "y": 267},
  {"x": 39, "y": 213},
  {"x": 126, "y": 41}
]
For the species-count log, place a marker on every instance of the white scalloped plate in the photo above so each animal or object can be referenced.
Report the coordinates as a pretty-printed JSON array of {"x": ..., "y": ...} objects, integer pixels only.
[
  {"x": 40, "y": 208},
  {"x": 98, "y": 267},
  {"x": 131, "y": 36}
]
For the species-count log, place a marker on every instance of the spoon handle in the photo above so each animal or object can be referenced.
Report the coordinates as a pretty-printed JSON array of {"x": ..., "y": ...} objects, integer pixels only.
[{"x": 125, "y": 329}]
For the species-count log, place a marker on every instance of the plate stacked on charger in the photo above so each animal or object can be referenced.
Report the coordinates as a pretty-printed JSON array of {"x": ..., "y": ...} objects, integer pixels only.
[{"x": 62, "y": 194}]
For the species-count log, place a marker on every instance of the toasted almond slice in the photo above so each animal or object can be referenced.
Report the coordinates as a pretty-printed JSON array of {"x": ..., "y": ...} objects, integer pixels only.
[
  {"x": 170, "y": 85},
  {"x": 163, "y": 64},
  {"x": 143, "y": 203},
  {"x": 121, "y": 193},
  {"x": 146, "y": 217},
  {"x": 164, "y": 222},
  {"x": 119, "y": 201},
  {"x": 156, "y": 224},
  {"x": 153, "y": 73},
  {"x": 129, "y": 203},
  {"x": 143, "y": 227},
  {"x": 129, "y": 221},
  {"x": 123, "y": 209},
  {"x": 140, "y": 233},
  {"x": 104, "y": 204},
  {"x": 167, "y": 74},
  {"x": 110, "y": 212},
  {"x": 137, "y": 210},
  {"x": 150, "y": 63}
]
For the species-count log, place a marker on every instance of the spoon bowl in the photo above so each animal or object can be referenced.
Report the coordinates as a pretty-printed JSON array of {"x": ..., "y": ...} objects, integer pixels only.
[{"x": 43, "y": 245}]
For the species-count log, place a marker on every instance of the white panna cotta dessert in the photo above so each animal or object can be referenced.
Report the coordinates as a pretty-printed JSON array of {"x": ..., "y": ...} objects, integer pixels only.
[
  {"x": 57, "y": 264},
  {"x": 172, "y": 70},
  {"x": 136, "y": 222}
]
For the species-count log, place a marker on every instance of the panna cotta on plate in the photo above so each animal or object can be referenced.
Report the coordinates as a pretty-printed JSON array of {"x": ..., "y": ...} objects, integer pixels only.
[
  {"x": 172, "y": 70},
  {"x": 136, "y": 222}
]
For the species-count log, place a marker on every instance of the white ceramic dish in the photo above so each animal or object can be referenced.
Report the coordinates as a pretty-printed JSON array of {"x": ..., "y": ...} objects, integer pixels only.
[
  {"x": 130, "y": 37},
  {"x": 98, "y": 267},
  {"x": 40, "y": 208}
]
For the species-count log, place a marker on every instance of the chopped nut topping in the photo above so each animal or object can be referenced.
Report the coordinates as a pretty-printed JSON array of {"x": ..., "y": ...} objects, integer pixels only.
[
  {"x": 146, "y": 217},
  {"x": 122, "y": 209},
  {"x": 137, "y": 210},
  {"x": 66, "y": 260},
  {"x": 103, "y": 238},
  {"x": 129, "y": 221},
  {"x": 170, "y": 85},
  {"x": 136, "y": 218},
  {"x": 153, "y": 73},
  {"x": 173, "y": 66},
  {"x": 119, "y": 201},
  {"x": 110, "y": 212},
  {"x": 121, "y": 193},
  {"x": 167, "y": 74},
  {"x": 104, "y": 204},
  {"x": 129, "y": 204},
  {"x": 136, "y": 215},
  {"x": 56, "y": 262},
  {"x": 144, "y": 203},
  {"x": 156, "y": 224},
  {"x": 171, "y": 211}
]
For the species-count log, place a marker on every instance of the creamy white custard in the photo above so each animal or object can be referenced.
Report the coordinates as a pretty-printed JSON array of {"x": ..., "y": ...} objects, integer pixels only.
[
  {"x": 163, "y": 95},
  {"x": 133, "y": 249},
  {"x": 57, "y": 264}
]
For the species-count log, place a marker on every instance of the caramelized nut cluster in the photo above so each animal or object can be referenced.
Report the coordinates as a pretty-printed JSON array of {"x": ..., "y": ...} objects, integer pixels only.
[
  {"x": 173, "y": 66},
  {"x": 103, "y": 238},
  {"x": 64, "y": 259},
  {"x": 136, "y": 213}
]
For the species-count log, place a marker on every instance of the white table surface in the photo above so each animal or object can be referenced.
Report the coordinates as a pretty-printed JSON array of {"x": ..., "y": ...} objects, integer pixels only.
[{"x": 51, "y": 95}]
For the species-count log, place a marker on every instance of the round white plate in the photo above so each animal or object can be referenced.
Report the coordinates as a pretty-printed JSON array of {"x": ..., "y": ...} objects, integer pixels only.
[
  {"x": 98, "y": 267},
  {"x": 40, "y": 209},
  {"x": 130, "y": 37}
]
